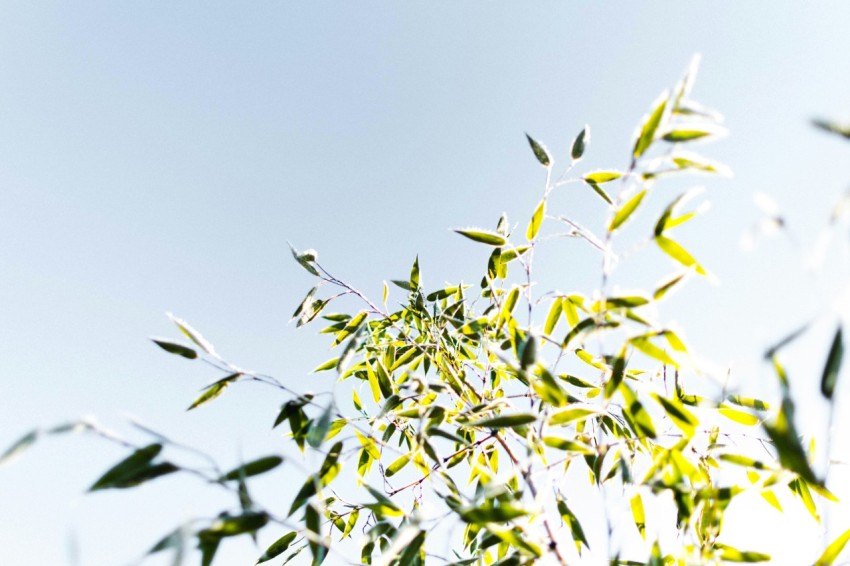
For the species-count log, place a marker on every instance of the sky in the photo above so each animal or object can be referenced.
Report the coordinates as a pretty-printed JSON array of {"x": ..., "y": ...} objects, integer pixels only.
[{"x": 157, "y": 158}]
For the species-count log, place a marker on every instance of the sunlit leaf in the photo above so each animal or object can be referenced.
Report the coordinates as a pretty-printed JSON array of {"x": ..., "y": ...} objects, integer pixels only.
[
  {"x": 638, "y": 514},
  {"x": 599, "y": 177},
  {"x": 505, "y": 421},
  {"x": 483, "y": 236},
  {"x": 650, "y": 126},
  {"x": 625, "y": 211},
  {"x": 834, "y": 549},
  {"x": 678, "y": 253},
  {"x": 536, "y": 221}
]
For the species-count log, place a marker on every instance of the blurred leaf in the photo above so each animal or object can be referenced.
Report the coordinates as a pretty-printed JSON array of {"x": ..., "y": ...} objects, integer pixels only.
[
  {"x": 834, "y": 549},
  {"x": 833, "y": 365},
  {"x": 554, "y": 315},
  {"x": 19, "y": 447},
  {"x": 580, "y": 144},
  {"x": 680, "y": 416},
  {"x": 328, "y": 365},
  {"x": 414, "y": 274},
  {"x": 127, "y": 467},
  {"x": 686, "y": 134},
  {"x": 504, "y": 421},
  {"x": 483, "y": 236},
  {"x": 572, "y": 414},
  {"x": 833, "y": 127},
  {"x": 253, "y": 468},
  {"x": 739, "y": 417},
  {"x": 730, "y": 554},
  {"x": 790, "y": 450},
  {"x": 540, "y": 151},
  {"x": 397, "y": 465},
  {"x": 319, "y": 429},
  {"x": 174, "y": 348},
  {"x": 626, "y": 211},
  {"x": 638, "y": 514}
]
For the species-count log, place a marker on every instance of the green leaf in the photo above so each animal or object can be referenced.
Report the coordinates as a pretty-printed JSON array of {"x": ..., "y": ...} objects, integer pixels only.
[
  {"x": 576, "y": 412},
  {"x": 554, "y": 315},
  {"x": 504, "y": 421},
  {"x": 305, "y": 259},
  {"x": 234, "y": 525},
  {"x": 650, "y": 126},
  {"x": 536, "y": 221},
  {"x": 599, "y": 191},
  {"x": 192, "y": 334},
  {"x": 638, "y": 514},
  {"x": 739, "y": 417},
  {"x": 575, "y": 527},
  {"x": 540, "y": 151},
  {"x": 833, "y": 550},
  {"x": 483, "y": 236},
  {"x": 580, "y": 144},
  {"x": 175, "y": 348},
  {"x": 791, "y": 453},
  {"x": 644, "y": 344},
  {"x": 214, "y": 390},
  {"x": 127, "y": 468},
  {"x": 626, "y": 211},
  {"x": 328, "y": 365},
  {"x": 19, "y": 447},
  {"x": 350, "y": 328},
  {"x": 397, "y": 465},
  {"x": 748, "y": 402},
  {"x": 490, "y": 514},
  {"x": 512, "y": 253},
  {"x": 599, "y": 177},
  {"x": 667, "y": 285},
  {"x": 618, "y": 372},
  {"x": 833, "y": 365},
  {"x": 678, "y": 253},
  {"x": 253, "y": 468},
  {"x": 414, "y": 274},
  {"x": 689, "y": 134},
  {"x": 680, "y": 416},
  {"x": 278, "y": 547},
  {"x": 319, "y": 429},
  {"x": 730, "y": 554}
]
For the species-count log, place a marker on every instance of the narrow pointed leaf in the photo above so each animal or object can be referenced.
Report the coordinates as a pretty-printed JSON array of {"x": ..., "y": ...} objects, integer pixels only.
[
  {"x": 540, "y": 151},
  {"x": 175, "y": 348},
  {"x": 626, "y": 211},
  {"x": 833, "y": 365},
  {"x": 483, "y": 236},
  {"x": 580, "y": 144}
]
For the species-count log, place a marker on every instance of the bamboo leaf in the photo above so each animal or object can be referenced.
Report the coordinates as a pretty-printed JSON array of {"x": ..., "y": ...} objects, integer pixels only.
[
  {"x": 540, "y": 151},
  {"x": 483, "y": 236},
  {"x": 214, "y": 391},
  {"x": 253, "y": 468},
  {"x": 504, "y": 421},
  {"x": 278, "y": 547},
  {"x": 638, "y": 514},
  {"x": 127, "y": 467},
  {"x": 175, "y": 348},
  {"x": 626, "y": 211},
  {"x": 536, "y": 221},
  {"x": 833, "y": 550},
  {"x": 833, "y": 365},
  {"x": 600, "y": 177},
  {"x": 650, "y": 126},
  {"x": 678, "y": 253},
  {"x": 580, "y": 143}
]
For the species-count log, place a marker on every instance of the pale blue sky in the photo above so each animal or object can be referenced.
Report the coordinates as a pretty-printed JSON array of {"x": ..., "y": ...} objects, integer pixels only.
[{"x": 157, "y": 157}]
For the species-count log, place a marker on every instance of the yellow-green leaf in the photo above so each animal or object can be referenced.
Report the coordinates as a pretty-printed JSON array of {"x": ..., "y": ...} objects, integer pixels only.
[
  {"x": 536, "y": 221},
  {"x": 626, "y": 211}
]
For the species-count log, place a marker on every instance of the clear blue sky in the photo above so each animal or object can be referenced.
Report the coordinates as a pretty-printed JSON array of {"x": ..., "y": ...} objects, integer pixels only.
[{"x": 157, "y": 157}]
